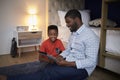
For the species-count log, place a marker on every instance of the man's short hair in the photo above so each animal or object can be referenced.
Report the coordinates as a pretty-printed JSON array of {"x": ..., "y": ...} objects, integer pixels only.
[
  {"x": 73, "y": 13},
  {"x": 51, "y": 27}
]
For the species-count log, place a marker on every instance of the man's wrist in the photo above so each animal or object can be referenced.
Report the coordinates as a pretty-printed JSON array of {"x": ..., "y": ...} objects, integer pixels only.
[{"x": 72, "y": 64}]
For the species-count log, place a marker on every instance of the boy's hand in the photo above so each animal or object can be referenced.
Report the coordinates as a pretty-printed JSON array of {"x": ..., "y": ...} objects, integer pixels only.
[
  {"x": 59, "y": 58},
  {"x": 51, "y": 61}
]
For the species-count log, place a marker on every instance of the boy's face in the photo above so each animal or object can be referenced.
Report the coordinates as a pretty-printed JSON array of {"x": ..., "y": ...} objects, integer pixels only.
[{"x": 52, "y": 34}]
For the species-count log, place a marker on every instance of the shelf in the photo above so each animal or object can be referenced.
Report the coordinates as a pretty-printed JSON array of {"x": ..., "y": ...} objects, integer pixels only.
[
  {"x": 29, "y": 35},
  {"x": 111, "y": 1},
  {"x": 28, "y": 39},
  {"x": 112, "y": 55},
  {"x": 27, "y": 31},
  {"x": 28, "y": 45},
  {"x": 112, "y": 28}
]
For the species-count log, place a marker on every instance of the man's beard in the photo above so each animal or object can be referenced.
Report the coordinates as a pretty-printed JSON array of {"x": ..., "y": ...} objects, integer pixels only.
[{"x": 74, "y": 27}]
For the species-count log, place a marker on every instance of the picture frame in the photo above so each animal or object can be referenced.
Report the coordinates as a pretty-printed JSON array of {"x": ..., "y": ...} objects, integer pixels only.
[{"x": 22, "y": 28}]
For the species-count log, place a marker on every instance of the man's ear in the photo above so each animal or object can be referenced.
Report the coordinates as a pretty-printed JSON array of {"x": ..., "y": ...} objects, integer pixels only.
[{"x": 77, "y": 19}]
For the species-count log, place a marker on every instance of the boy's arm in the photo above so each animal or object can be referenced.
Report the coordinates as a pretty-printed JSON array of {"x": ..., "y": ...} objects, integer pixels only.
[
  {"x": 41, "y": 58},
  {"x": 44, "y": 57}
]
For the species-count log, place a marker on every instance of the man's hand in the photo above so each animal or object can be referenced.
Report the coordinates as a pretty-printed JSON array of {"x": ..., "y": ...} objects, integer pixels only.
[{"x": 62, "y": 62}]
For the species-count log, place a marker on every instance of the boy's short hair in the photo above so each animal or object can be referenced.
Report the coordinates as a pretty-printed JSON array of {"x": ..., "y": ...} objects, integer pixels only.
[
  {"x": 50, "y": 27},
  {"x": 73, "y": 13}
]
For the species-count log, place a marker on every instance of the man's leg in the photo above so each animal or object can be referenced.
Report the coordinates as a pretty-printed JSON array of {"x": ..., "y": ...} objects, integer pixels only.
[
  {"x": 31, "y": 76},
  {"x": 55, "y": 72},
  {"x": 25, "y": 68}
]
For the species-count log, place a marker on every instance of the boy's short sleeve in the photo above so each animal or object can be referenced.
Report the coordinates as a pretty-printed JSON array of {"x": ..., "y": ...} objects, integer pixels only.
[{"x": 42, "y": 47}]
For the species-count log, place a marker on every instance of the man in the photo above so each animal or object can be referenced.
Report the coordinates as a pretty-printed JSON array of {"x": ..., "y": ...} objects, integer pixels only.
[{"x": 80, "y": 58}]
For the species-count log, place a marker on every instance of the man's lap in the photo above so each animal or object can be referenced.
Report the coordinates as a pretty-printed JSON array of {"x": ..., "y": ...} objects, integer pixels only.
[{"x": 60, "y": 72}]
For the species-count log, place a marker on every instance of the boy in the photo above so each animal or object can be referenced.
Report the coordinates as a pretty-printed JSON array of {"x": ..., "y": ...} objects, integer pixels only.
[{"x": 52, "y": 45}]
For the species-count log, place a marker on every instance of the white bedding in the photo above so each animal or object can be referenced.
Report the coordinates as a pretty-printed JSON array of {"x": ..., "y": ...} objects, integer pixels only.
[{"x": 112, "y": 40}]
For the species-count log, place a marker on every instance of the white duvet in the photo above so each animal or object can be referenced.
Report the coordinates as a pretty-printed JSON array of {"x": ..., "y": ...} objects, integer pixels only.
[{"x": 112, "y": 40}]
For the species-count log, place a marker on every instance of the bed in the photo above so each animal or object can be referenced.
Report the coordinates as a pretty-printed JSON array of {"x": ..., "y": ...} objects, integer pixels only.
[{"x": 57, "y": 10}]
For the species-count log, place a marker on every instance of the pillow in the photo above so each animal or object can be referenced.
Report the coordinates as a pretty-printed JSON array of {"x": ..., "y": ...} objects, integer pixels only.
[
  {"x": 85, "y": 14},
  {"x": 97, "y": 23},
  {"x": 64, "y": 33},
  {"x": 61, "y": 15}
]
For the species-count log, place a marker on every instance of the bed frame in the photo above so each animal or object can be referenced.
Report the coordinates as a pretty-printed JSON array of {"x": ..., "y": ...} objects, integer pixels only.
[{"x": 104, "y": 29}]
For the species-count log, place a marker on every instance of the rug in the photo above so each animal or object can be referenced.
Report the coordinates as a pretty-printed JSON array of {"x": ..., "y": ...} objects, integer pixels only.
[{"x": 25, "y": 68}]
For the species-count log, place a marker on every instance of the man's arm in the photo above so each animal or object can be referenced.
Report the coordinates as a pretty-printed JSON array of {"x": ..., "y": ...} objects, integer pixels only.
[
  {"x": 62, "y": 62},
  {"x": 66, "y": 63}
]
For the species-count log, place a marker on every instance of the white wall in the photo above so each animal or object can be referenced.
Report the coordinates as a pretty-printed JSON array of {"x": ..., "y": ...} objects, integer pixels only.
[{"x": 15, "y": 13}]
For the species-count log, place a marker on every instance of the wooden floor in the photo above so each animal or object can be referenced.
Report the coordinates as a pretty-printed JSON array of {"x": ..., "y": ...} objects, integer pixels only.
[
  {"x": 6, "y": 60},
  {"x": 98, "y": 74}
]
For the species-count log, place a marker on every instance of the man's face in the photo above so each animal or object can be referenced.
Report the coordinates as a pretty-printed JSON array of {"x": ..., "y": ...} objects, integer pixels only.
[{"x": 71, "y": 24}]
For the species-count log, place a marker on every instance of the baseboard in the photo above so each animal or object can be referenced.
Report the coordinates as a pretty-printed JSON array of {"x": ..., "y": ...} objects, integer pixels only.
[{"x": 4, "y": 53}]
